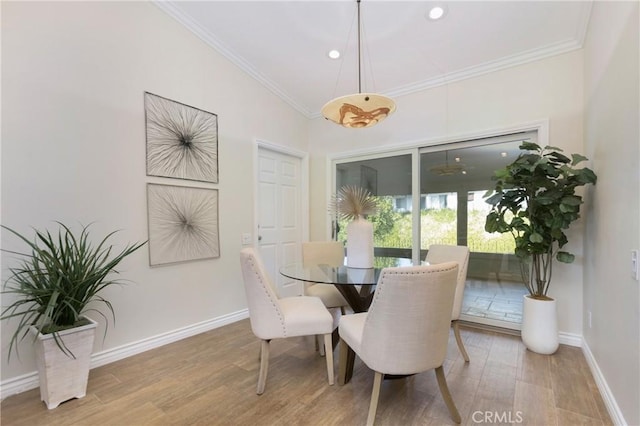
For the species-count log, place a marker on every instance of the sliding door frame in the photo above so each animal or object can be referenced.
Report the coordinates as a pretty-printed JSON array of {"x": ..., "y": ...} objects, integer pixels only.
[{"x": 540, "y": 127}]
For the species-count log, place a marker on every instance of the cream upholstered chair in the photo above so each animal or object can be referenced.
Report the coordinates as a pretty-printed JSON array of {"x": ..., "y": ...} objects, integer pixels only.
[
  {"x": 273, "y": 318},
  {"x": 324, "y": 253},
  {"x": 406, "y": 329},
  {"x": 439, "y": 253}
]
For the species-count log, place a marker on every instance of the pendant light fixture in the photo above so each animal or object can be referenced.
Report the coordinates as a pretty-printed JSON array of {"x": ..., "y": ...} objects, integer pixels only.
[
  {"x": 447, "y": 169},
  {"x": 359, "y": 109}
]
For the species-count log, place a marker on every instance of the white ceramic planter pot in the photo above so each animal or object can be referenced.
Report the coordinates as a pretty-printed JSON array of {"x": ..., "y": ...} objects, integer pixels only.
[
  {"x": 360, "y": 244},
  {"x": 63, "y": 377},
  {"x": 540, "y": 325}
]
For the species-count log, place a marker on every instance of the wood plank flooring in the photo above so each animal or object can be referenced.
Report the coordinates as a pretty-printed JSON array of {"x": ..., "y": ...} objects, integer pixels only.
[{"x": 210, "y": 379}]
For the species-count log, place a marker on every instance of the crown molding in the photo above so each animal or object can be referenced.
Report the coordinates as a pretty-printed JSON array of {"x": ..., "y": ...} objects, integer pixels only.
[
  {"x": 532, "y": 55},
  {"x": 522, "y": 58},
  {"x": 488, "y": 67},
  {"x": 583, "y": 25},
  {"x": 173, "y": 11}
]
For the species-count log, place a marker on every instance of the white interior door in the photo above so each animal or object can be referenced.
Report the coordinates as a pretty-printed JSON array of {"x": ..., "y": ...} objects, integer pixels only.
[{"x": 280, "y": 215}]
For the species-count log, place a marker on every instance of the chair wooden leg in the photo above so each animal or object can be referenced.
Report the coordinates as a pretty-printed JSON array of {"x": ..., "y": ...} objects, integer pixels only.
[
  {"x": 444, "y": 390},
  {"x": 264, "y": 367},
  {"x": 456, "y": 332},
  {"x": 328, "y": 349},
  {"x": 342, "y": 362},
  {"x": 375, "y": 395},
  {"x": 320, "y": 344}
]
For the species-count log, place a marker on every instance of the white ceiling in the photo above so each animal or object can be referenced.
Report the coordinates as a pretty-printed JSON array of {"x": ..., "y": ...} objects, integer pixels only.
[{"x": 284, "y": 44}]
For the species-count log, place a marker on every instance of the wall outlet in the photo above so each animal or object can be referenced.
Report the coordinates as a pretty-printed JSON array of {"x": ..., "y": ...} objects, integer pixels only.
[
  {"x": 634, "y": 264},
  {"x": 245, "y": 239}
]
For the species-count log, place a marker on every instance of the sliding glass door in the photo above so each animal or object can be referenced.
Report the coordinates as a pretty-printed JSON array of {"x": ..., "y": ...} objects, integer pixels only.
[
  {"x": 390, "y": 180},
  {"x": 453, "y": 183},
  {"x": 435, "y": 195}
]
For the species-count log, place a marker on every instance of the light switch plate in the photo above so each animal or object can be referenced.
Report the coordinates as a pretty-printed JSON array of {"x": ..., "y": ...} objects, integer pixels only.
[
  {"x": 246, "y": 239},
  {"x": 634, "y": 264}
]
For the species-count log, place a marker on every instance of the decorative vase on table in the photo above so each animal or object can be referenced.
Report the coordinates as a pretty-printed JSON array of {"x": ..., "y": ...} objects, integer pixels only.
[
  {"x": 540, "y": 325},
  {"x": 354, "y": 203},
  {"x": 360, "y": 243}
]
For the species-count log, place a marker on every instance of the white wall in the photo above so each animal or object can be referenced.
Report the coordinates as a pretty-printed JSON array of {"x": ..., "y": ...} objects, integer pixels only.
[
  {"x": 612, "y": 136},
  {"x": 548, "y": 89},
  {"x": 73, "y": 149}
]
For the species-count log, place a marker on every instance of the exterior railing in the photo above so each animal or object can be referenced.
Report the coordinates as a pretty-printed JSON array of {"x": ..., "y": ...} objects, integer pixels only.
[{"x": 498, "y": 266}]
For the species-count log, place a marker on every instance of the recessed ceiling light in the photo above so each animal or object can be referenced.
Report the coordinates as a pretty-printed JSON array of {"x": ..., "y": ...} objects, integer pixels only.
[
  {"x": 457, "y": 159},
  {"x": 436, "y": 12},
  {"x": 333, "y": 54},
  {"x": 503, "y": 154}
]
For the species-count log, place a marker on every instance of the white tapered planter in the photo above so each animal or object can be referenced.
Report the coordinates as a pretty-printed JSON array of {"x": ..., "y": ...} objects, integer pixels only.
[
  {"x": 540, "y": 325},
  {"x": 360, "y": 244},
  {"x": 63, "y": 377}
]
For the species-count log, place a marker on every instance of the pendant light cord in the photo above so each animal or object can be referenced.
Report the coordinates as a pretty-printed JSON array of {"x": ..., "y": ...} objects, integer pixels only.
[
  {"x": 359, "y": 53},
  {"x": 358, "y": 111}
]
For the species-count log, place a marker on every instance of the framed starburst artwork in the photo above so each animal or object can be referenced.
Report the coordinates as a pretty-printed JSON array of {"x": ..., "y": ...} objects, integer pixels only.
[
  {"x": 182, "y": 141},
  {"x": 183, "y": 223}
]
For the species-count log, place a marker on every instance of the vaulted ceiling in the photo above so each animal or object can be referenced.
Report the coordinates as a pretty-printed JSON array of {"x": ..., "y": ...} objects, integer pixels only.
[{"x": 284, "y": 44}]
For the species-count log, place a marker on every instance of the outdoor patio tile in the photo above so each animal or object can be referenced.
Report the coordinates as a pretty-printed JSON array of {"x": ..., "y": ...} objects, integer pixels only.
[{"x": 492, "y": 300}]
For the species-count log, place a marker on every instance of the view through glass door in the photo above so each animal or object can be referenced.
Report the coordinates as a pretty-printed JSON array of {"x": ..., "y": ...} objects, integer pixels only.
[
  {"x": 444, "y": 204},
  {"x": 453, "y": 183},
  {"x": 390, "y": 180}
]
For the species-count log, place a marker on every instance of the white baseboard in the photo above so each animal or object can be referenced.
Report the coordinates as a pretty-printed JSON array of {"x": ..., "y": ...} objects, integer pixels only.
[
  {"x": 570, "y": 339},
  {"x": 565, "y": 338},
  {"x": 609, "y": 400},
  {"x": 29, "y": 381},
  {"x": 19, "y": 384}
]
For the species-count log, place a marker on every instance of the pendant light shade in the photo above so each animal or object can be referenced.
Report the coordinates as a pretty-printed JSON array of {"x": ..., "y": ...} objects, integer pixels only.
[{"x": 360, "y": 109}]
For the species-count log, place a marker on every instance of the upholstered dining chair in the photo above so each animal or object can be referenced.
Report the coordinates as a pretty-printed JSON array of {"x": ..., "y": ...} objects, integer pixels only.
[
  {"x": 273, "y": 318},
  {"x": 406, "y": 329},
  {"x": 439, "y": 253},
  {"x": 328, "y": 253}
]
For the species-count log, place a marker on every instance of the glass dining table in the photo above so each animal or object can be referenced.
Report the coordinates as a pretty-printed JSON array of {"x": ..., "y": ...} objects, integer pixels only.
[{"x": 357, "y": 285}]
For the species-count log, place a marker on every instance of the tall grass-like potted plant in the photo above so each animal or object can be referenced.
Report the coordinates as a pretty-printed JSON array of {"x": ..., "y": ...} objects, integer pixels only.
[
  {"x": 535, "y": 200},
  {"x": 354, "y": 203},
  {"x": 51, "y": 290}
]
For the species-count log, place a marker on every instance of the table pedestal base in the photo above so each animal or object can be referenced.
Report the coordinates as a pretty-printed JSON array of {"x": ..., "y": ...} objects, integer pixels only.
[{"x": 346, "y": 361}]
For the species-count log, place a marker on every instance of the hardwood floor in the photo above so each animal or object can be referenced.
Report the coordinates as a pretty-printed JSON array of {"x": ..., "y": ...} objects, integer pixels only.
[{"x": 210, "y": 379}]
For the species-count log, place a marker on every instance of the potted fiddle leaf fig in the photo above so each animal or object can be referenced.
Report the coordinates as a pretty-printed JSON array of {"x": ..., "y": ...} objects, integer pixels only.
[
  {"x": 535, "y": 200},
  {"x": 55, "y": 283}
]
